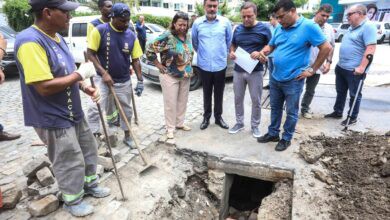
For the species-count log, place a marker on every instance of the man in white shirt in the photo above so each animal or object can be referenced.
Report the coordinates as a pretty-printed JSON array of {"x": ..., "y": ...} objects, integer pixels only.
[{"x": 321, "y": 17}]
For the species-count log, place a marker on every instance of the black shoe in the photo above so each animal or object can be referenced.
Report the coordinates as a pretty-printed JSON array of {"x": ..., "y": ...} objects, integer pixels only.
[
  {"x": 334, "y": 115},
  {"x": 5, "y": 136},
  {"x": 352, "y": 121},
  {"x": 282, "y": 145},
  {"x": 205, "y": 123},
  {"x": 268, "y": 138},
  {"x": 266, "y": 87},
  {"x": 221, "y": 123}
]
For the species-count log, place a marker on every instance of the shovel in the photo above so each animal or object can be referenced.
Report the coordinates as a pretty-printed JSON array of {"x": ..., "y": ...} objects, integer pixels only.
[
  {"x": 106, "y": 135},
  {"x": 148, "y": 166},
  {"x": 369, "y": 58}
]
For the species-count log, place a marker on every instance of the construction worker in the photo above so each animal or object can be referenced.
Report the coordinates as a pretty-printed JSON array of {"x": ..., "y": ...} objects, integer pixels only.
[
  {"x": 112, "y": 115},
  {"x": 50, "y": 87},
  {"x": 110, "y": 48}
]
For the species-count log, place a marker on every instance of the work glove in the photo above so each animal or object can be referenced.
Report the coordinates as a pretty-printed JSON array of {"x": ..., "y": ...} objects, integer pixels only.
[
  {"x": 139, "y": 88},
  {"x": 96, "y": 97},
  {"x": 86, "y": 70}
]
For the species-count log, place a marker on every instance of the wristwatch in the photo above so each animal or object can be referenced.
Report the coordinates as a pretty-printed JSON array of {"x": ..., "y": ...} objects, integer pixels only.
[{"x": 310, "y": 70}]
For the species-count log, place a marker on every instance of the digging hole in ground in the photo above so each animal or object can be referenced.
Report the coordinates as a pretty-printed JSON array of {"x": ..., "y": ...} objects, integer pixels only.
[{"x": 211, "y": 192}]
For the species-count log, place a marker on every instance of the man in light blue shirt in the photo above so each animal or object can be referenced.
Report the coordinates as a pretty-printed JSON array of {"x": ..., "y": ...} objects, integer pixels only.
[
  {"x": 290, "y": 45},
  {"x": 358, "y": 42},
  {"x": 211, "y": 39}
]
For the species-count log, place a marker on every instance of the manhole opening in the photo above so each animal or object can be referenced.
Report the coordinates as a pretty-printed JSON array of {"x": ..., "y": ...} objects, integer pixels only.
[{"x": 246, "y": 194}]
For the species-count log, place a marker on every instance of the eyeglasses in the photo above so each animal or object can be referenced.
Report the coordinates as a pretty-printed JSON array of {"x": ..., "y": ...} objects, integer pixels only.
[
  {"x": 351, "y": 13},
  {"x": 280, "y": 17}
]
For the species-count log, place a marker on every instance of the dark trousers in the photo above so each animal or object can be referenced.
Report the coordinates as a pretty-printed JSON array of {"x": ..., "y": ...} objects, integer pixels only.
[
  {"x": 213, "y": 81},
  {"x": 1, "y": 128},
  {"x": 142, "y": 42},
  {"x": 347, "y": 81},
  {"x": 311, "y": 84}
]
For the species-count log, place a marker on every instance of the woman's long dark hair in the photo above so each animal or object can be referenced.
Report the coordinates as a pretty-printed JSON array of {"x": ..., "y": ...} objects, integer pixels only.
[{"x": 179, "y": 15}]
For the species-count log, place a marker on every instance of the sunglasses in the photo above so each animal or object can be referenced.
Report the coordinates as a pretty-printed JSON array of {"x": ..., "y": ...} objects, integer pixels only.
[{"x": 351, "y": 13}]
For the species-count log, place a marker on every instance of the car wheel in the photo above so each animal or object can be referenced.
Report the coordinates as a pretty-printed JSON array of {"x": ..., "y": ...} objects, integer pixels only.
[
  {"x": 380, "y": 41},
  {"x": 340, "y": 38},
  {"x": 195, "y": 82}
]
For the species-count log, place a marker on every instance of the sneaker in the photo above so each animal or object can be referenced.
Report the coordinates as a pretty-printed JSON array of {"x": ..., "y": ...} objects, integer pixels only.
[
  {"x": 352, "y": 121},
  {"x": 268, "y": 138},
  {"x": 184, "y": 128},
  {"x": 307, "y": 115},
  {"x": 282, "y": 145},
  {"x": 79, "y": 210},
  {"x": 170, "y": 135},
  {"x": 98, "y": 192},
  {"x": 128, "y": 142},
  {"x": 334, "y": 115},
  {"x": 255, "y": 132},
  {"x": 236, "y": 128}
]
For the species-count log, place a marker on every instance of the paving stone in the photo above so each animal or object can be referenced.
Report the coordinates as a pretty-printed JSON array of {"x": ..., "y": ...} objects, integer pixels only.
[
  {"x": 171, "y": 142},
  {"x": 45, "y": 177},
  {"x": 106, "y": 162},
  {"x": 125, "y": 150},
  {"x": 7, "y": 187},
  {"x": 43, "y": 206},
  {"x": 36, "y": 189},
  {"x": 127, "y": 158},
  {"x": 36, "y": 164},
  {"x": 6, "y": 180},
  {"x": 99, "y": 170},
  {"x": 134, "y": 151},
  {"x": 11, "y": 198},
  {"x": 117, "y": 155},
  {"x": 163, "y": 139}
]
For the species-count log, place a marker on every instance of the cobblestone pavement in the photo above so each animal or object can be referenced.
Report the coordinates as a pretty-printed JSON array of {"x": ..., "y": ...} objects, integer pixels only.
[{"x": 15, "y": 154}]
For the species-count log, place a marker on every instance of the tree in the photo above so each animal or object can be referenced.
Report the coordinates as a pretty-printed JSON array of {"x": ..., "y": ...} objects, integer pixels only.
[
  {"x": 264, "y": 7},
  {"x": 18, "y": 14},
  {"x": 223, "y": 9}
]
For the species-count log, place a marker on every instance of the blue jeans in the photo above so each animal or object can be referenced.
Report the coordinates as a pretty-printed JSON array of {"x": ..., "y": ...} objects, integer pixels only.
[
  {"x": 347, "y": 81},
  {"x": 290, "y": 93}
]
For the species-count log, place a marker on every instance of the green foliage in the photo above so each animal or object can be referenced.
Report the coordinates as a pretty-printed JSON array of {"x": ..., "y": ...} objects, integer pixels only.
[
  {"x": 161, "y": 20},
  {"x": 18, "y": 15},
  {"x": 223, "y": 9},
  {"x": 264, "y": 7},
  {"x": 308, "y": 14},
  {"x": 80, "y": 14}
]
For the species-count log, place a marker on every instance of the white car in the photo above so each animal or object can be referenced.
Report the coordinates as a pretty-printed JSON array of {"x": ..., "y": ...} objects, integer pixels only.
[
  {"x": 383, "y": 33},
  {"x": 76, "y": 36}
]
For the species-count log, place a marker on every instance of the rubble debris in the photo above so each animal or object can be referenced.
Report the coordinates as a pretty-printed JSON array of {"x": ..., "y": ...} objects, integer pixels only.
[
  {"x": 11, "y": 198},
  {"x": 215, "y": 182},
  {"x": 45, "y": 177},
  {"x": 278, "y": 204},
  {"x": 36, "y": 189},
  {"x": 36, "y": 164},
  {"x": 43, "y": 206},
  {"x": 99, "y": 170},
  {"x": 323, "y": 177},
  {"x": 311, "y": 151},
  {"x": 106, "y": 162},
  {"x": 385, "y": 172}
]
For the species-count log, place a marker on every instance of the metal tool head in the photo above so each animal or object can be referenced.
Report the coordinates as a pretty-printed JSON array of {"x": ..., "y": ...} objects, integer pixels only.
[{"x": 147, "y": 169}]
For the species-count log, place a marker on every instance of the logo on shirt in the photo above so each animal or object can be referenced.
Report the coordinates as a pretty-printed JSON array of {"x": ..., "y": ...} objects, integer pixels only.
[{"x": 126, "y": 48}]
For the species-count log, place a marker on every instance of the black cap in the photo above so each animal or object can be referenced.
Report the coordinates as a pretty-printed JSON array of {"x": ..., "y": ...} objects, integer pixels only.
[{"x": 65, "y": 5}]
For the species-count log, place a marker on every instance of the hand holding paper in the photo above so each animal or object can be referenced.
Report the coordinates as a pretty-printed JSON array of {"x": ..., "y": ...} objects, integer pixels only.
[{"x": 244, "y": 60}]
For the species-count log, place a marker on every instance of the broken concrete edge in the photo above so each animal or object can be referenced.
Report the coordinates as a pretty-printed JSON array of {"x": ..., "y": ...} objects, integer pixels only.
[{"x": 231, "y": 165}]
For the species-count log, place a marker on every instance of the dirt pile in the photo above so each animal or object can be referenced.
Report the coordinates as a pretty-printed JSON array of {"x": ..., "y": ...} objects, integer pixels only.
[{"x": 358, "y": 165}]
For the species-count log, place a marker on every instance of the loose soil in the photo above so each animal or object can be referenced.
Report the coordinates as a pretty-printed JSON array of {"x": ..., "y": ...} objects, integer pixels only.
[{"x": 359, "y": 167}]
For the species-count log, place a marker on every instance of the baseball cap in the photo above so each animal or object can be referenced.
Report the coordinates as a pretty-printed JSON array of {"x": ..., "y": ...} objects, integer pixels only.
[
  {"x": 65, "y": 5},
  {"x": 120, "y": 10}
]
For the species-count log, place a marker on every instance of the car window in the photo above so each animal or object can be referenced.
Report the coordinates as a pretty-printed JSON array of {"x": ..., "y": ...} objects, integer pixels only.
[
  {"x": 335, "y": 25},
  {"x": 6, "y": 35},
  {"x": 345, "y": 26},
  {"x": 156, "y": 28},
  {"x": 79, "y": 30},
  {"x": 387, "y": 26}
]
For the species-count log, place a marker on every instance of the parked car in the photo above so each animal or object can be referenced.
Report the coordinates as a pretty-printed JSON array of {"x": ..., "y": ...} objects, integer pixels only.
[
  {"x": 340, "y": 31},
  {"x": 383, "y": 32},
  {"x": 153, "y": 31},
  {"x": 9, "y": 62},
  {"x": 76, "y": 36}
]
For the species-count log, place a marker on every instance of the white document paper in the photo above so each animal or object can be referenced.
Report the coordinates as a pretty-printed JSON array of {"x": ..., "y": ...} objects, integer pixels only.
[{"x": 244, "y": 60}]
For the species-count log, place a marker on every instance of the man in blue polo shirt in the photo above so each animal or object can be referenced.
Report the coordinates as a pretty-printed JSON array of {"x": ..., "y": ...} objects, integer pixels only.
[
  {"x": 251, "y": 36},
  {"x": 358, "y": 42},
  {"x": 50, "y": 87},
  {"x": 211, "y": 39},
  {"x": 110, "y": 48},
  {"x": 290, "y": 45}
]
